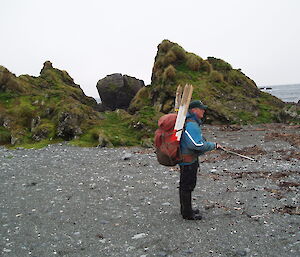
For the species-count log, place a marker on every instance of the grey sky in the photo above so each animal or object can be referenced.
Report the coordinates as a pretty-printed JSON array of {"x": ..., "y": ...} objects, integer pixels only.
[{"x": 91, "y": 39}]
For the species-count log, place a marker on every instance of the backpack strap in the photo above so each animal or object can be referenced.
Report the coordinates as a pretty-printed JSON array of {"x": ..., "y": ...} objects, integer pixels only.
[
  {"x": 188, "y": 157},
  {"x": 190, "y": 120}
]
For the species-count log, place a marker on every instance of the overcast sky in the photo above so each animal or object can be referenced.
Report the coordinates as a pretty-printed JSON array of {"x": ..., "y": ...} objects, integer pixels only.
[{"x": 93, "y": 38}]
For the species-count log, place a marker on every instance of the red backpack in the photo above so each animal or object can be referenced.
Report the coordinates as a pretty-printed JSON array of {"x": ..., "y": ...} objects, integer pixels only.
[{"x": 165, "y": 141}]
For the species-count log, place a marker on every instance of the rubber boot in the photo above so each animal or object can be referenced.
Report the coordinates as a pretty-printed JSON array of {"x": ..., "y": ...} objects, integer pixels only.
[
  {"x": 195, "y": 211},
  {"x": 186, "y": 206}
]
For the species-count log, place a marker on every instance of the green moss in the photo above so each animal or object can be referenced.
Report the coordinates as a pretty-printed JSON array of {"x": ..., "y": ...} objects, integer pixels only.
[
  {"x": 45, "y": 130},
  {"x": 117, "y": 128},
  {"x": 88, "y": 139},
  {"x": 122, "y": 129},
  {"x": 266, "y": 114},
  {"x": 185, "y": 74},
  {"x": 142, "y": 98},
  {"x": 22, "y": 111},
  {"x": 7, "y": 98},
  {"x": 57, "y": 78},
  {"x": 245, "y": 117},
  {"x": 148, "y": 116},
  {"x": 5, "y": 136}
]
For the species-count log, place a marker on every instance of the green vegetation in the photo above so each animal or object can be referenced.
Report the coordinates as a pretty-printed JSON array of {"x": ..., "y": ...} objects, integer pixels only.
[
  {"x": 5, "y": 136},
  {"x": 193, "y": 62},
  {"x": 216, "y": 76},
  {"x": 43, "y": 109},
  {"x": 219, "y": 64},
  {"x": 232, "y": 97},
  {"x": 169, "y": 73},
  {"x": 50, "y": 108}
]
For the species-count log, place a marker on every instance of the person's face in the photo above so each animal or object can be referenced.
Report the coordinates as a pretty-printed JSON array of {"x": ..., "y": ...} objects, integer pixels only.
[{"x": 199, "y": 112}]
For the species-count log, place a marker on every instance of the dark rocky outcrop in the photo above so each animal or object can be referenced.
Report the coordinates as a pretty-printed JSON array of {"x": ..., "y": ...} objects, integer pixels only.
[
  {"x": 117, "y": 91},
  {"x": 68, "y": 125}
]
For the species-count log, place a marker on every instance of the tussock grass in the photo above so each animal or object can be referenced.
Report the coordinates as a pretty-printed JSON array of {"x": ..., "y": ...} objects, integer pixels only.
[
  {"x": 165, "y": 46},
  {"x": 169, "y": 73},
  {"x": 179, "y": 52},
  {"x": 219, "y": 64},
  {"x": 205, "y": 67},
  {"x": 216, "y": 76},
  {"x": 193, "y": 62},
  {"x": 169, "y": 58}
]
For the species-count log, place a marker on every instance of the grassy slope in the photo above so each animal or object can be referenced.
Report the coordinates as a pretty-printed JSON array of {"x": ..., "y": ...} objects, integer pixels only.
[
  {"x": 231, "y": 96},
  {"x": 43, "y": 99}
]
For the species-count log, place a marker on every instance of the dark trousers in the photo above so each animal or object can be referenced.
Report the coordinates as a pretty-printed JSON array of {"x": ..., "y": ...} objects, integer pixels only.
[
  {"x": 188, "y": 177},
  {"x": 187, "y": 183}
]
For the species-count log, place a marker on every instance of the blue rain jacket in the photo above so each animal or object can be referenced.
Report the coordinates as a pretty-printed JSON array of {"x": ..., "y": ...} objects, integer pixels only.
[{"x": 192, "y": 142}]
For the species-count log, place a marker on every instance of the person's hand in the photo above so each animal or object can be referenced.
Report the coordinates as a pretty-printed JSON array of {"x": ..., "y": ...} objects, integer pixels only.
[{"x": 218, "y": 146}]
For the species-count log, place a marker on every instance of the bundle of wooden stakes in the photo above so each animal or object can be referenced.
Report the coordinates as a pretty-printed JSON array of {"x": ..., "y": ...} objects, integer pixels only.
[{"x": 182, "y": 102}]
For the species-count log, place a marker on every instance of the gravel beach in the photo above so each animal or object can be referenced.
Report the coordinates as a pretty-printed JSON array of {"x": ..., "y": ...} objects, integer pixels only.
[{"x": 70, "y": 201}]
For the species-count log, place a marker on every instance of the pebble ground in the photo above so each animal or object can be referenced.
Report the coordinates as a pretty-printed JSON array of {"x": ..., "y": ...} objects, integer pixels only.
[{"x": 69, "y": 201}]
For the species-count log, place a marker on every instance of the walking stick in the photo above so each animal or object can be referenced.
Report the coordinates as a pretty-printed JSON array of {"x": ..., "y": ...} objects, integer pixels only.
[{"x": 243, "y": 156}]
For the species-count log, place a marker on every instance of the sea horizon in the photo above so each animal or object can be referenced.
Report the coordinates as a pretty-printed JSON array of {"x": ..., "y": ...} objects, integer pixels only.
[{"x": 285, "y": 92}]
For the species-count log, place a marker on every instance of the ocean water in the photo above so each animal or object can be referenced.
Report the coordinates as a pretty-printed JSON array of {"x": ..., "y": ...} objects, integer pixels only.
[{"x": 287, "y": 93}]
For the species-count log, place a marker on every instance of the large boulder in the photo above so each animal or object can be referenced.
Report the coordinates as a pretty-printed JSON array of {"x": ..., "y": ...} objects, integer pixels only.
[{"x": 116, "y": 90}]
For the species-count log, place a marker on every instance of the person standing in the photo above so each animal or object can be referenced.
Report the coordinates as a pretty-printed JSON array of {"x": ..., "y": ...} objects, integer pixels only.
[{"x": 192, "y": 144}]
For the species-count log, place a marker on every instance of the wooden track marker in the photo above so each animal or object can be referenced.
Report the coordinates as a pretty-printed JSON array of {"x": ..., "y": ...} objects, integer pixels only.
[
  {"x": 178, "y": 98},
  {"x": 183, "y": 108}
]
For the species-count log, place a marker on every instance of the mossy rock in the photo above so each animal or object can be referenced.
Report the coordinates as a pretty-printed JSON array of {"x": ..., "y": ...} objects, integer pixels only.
[
  {"x": 117, "y": 90},
  {"x": 35, "y": 108},
  {"x": 45, "y": 130}
]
